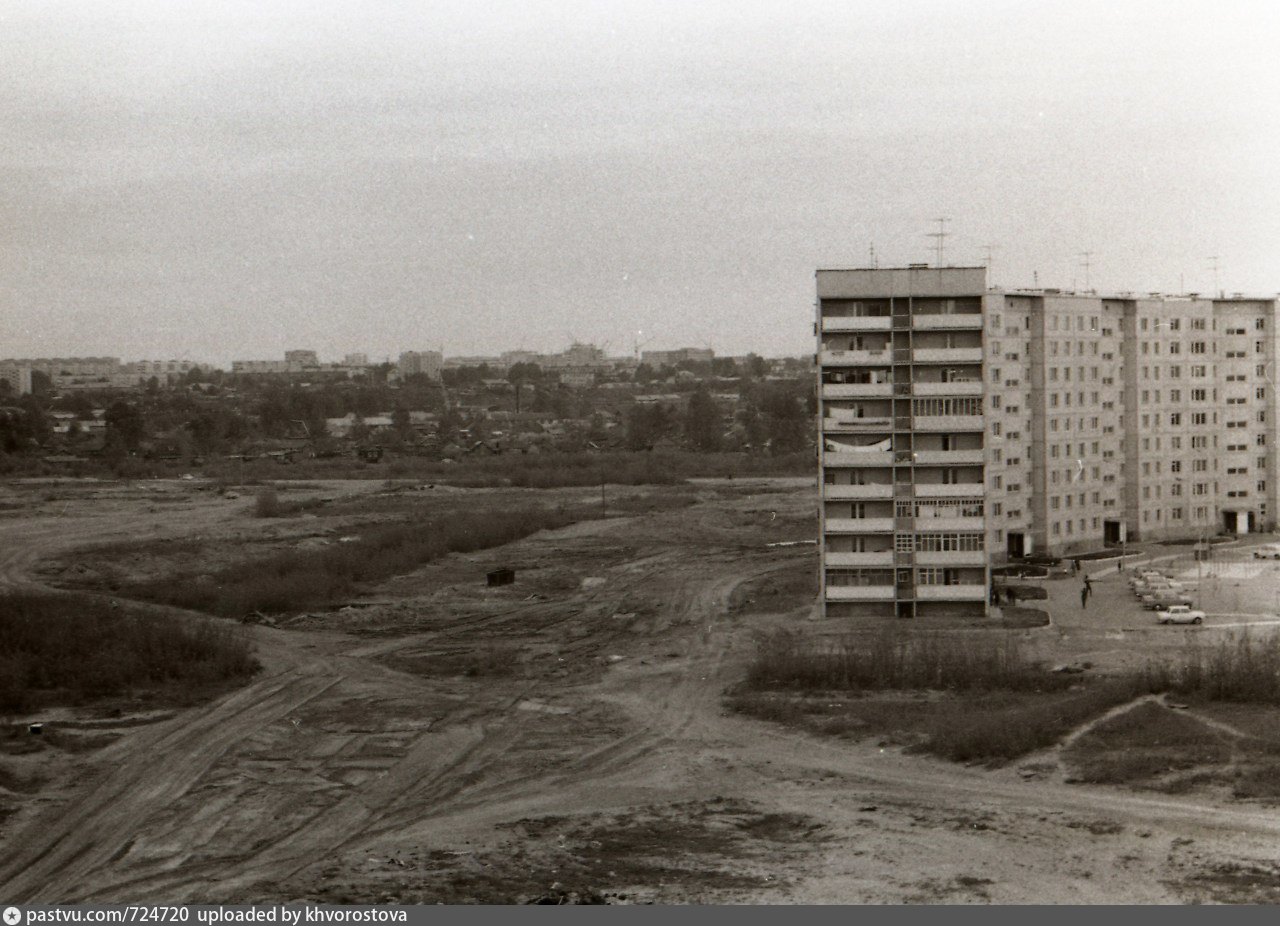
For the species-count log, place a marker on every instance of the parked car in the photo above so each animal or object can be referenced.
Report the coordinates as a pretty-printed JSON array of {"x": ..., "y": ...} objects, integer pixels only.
[
  {"x": 1181, "y": 614},
  {"x": 1270, "y": 551},
  {"x": 1162, "y": 601}
]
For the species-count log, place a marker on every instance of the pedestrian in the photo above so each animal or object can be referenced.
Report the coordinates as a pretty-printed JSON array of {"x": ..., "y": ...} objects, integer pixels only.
[
  {"x": 1120, "y": 566},
  {"x": 1084, "y": 596},
  {"x": 1075, "y": 566},
  {"x": 1088, "y": 585}
]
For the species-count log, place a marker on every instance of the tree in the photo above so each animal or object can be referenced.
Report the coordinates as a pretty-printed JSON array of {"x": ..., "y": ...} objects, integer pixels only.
[
  {"x": 756, "y": 367},
  {"x": 785, "y": 421},
  {"x": 646, "y": 425},
  {"x": 402, "y": 422},
  {"x": 644, "y": 374},
  {"x": 125, "y": 427},
  {"x": 703, "y": 427}
]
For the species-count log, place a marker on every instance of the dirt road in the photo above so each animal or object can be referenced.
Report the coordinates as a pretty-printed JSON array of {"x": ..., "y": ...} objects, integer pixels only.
[{"x": 605, "y": 763}]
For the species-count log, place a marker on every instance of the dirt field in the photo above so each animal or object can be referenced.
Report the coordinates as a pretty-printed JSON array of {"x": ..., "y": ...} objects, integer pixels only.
[{"x": 560, "y": 738}]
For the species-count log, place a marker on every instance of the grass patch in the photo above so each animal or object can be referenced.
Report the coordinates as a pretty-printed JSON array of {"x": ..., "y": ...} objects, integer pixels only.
[
  {"x": 1145, "y": 744},
  {"x": 70, "y": 649},
  {"x": 989, "y": 703},
  {"x": 267, "y": 504},
  {"x": 1241, "y": 668},
  {"x": 303, "y": 579}
]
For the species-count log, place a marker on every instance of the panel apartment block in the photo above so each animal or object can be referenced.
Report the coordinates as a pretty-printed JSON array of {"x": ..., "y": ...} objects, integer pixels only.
[
  {"x": 903, "y": 453},
  {"x": 962, "y": 426}
]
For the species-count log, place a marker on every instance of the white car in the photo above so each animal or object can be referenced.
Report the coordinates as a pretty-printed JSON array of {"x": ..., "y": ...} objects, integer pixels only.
[
  {"x": 1271, "y": 551},
  {"x": 1181, "y": 614}
]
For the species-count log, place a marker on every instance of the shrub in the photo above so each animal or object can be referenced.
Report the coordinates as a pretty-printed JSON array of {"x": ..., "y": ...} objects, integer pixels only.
[
  {"x": 893, "y": 660},
  {"x": 70, "y": 648},
  {"x": 267, "y": 503}
]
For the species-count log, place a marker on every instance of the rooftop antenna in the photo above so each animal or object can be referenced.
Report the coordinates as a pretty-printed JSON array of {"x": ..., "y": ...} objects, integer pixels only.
[
  {"x": 988, "y": 260},
  {"x": 941, "y": 234},
  {"x": 1086, "y": 262},
  {"x": 874, "y": 264},
  {"x": 1213, "y": 263}
]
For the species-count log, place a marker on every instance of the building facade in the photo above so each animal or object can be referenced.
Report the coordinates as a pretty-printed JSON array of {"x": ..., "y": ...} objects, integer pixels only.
[{"x": 961, "y": 426}]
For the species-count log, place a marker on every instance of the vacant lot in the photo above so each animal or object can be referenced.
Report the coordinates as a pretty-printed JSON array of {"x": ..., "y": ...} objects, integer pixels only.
[{"x": 420, "y": 735}]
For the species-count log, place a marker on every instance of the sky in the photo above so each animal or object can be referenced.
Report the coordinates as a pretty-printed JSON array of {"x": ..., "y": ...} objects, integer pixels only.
[{"x": 228, "y": 180}]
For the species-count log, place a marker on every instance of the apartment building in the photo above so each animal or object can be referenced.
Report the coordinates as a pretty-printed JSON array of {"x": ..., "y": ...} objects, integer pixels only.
[
  {"x": 903, "y": 441},
  {"x": 961, "y": 426}
]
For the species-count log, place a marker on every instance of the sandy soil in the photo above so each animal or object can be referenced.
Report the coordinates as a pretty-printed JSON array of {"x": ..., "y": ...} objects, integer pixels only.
[{"x": 564, "y": 738}]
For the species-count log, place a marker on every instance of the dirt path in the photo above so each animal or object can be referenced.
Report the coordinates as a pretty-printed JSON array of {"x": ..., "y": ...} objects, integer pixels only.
[{"x": 332, "y": 766}]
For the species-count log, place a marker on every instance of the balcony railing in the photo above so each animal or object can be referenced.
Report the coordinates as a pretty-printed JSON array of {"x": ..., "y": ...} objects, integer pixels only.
[
  {"x": 948, "y": 457},
  {"x": 838, "y": 492},
  {"x": 856, "y": 390},
  {"x": 878, "y": 558},
  {"x": 856, "y": 424},
  {"x": 950, "y": 423},
  {"x": 859, "y": 593},
  {"x": 938, "y": 322},
  {"x": 950, "y": 523},
  {"x": 856, "y": 323},
  {"x": 951, "y": 592},
  {"x": 832, "y": 358},
  {"x": 859, "y": 525},
  {"x": 950, "y": 490},
  {"x": 858, "y": 458},
  {"x": 947, "y": 355},
  {"x": 973, "y": 387},
  {"x": 952, "y": 558}
]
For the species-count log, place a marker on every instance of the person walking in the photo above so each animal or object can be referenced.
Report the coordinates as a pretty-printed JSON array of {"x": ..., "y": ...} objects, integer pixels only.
[
  {"x": 1084, "y": 596},
  {"x": 1088, "y": 585}
]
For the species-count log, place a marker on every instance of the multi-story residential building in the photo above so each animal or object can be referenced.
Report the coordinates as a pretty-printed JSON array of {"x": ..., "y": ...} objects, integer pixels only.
[
  {"x": 17, "y": 375},
  {"x": 657, "y": 358},
  {"x": 429, "y": 362},
  {"x": 308, "y": 358},
  {"x": 903, "y": 443},
  {"x": 962, "y": 426}
]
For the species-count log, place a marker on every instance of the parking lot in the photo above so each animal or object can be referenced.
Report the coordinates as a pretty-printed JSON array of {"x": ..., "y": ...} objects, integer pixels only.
[{"x": 1237, "y": 592}]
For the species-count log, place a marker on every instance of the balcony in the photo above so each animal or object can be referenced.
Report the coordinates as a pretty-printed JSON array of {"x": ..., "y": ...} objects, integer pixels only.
[
  {"x": 949, "y": 457},
  {"x": 950, "y": 592},
  {"x": 953, "y": 321},
  {"x": 950, "y": 423},
  {"x": 855, "y": 425},
  {"x": 839, "y": 492},
  {"x": 952, "y": 490},
  {"x": 859, "y": 593},
  {"x": 858, "y": 458},
  {"x": 949, "y": 523},
  {"x": 973, "y": 387},
  {"x": 856, "y": 323},
  {"x": 861, "y": 525},
  {"x": 950, "y": 558},
  {"x": 879, "y": 558},
  {"x": 946, "y": 355},
  {"x": 835, "y": 358},
  {"x": 858, "y": 390}
]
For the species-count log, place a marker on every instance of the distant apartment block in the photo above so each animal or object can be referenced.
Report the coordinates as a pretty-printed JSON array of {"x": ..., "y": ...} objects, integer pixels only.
[
  {"x": 307, "y": 358},
  {"x": 427, "y": 362},
  {"x": 961, "y": 426},
  {"x": 17, "y": 375},
  {"x": 94, "y": 372},
  {"x": 671, "y": 358}
]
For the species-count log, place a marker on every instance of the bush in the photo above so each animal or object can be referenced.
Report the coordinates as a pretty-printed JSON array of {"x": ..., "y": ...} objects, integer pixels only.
[
  {"x": 1240, "y": 668},
  {"x": 893, "y": 660},
  {"x": 72, "y": 648},
  {"x": 299, "y": 580},
  {"x": 267, "y": 503}
]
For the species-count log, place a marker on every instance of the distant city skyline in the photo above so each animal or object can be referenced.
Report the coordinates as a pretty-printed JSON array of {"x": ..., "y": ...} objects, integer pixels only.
[{"x": 229, "y": 180}]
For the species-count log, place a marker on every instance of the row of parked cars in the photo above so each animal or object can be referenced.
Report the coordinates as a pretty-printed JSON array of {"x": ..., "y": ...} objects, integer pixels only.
[{"x": 1166, "y": 596}]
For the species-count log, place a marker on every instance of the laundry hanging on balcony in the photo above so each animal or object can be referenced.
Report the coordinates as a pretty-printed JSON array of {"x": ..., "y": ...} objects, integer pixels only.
[{"x": 836, "y": 446}]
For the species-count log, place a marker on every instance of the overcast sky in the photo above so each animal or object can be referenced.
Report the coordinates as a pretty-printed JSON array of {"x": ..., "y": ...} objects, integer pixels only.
[{"x": 219, "y": 180}]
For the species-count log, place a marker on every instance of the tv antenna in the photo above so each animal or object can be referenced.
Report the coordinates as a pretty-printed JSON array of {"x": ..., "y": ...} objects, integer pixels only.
[
  {"x": 874, "y": 264},
  {"x": 1086, "y": 262},
  {"x": 941, "y": 234},
  {"x": 1213, "y": 264},
  {"x": 988, "y": 259}
]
